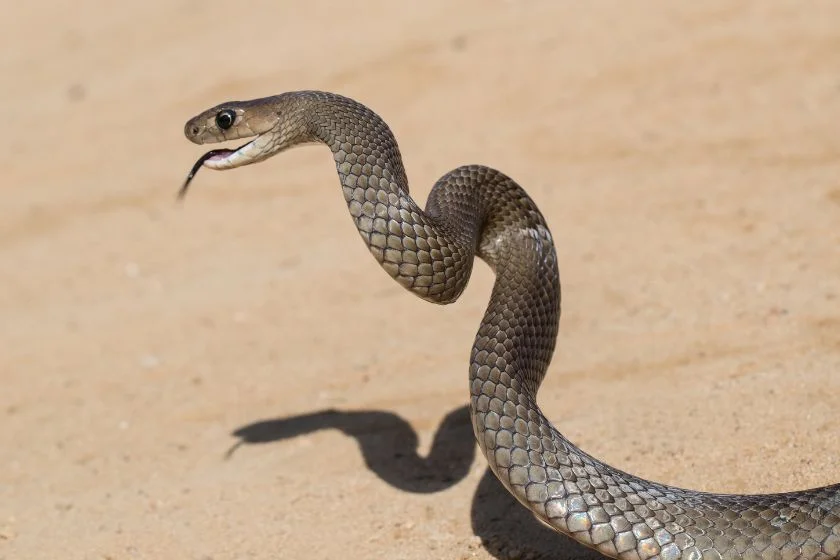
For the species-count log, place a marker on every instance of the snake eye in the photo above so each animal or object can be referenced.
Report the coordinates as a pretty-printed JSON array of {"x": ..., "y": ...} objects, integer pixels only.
[{"x": 225, "y": 118}]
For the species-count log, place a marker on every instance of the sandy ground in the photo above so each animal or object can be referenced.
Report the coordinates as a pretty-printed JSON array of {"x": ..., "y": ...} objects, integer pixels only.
[{"x": 235, "y": 377}]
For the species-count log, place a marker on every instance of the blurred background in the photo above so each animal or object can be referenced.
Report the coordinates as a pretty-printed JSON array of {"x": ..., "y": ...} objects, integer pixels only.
[{"x": 234, "y": 377}]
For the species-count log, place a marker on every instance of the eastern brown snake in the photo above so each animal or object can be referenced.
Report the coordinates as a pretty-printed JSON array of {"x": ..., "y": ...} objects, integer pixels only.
[{"x": 478, "y": 211}]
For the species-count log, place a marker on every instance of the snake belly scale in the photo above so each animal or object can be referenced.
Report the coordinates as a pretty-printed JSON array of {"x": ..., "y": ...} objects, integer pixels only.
[{"x": 476, "y": 211}]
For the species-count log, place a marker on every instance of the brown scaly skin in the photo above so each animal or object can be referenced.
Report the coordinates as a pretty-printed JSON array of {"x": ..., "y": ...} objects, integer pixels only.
[{"x": 478, "y": 211}]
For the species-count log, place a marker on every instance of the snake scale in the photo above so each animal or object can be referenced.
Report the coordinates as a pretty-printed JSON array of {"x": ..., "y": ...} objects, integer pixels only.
[{"x": 477, "y": 211}]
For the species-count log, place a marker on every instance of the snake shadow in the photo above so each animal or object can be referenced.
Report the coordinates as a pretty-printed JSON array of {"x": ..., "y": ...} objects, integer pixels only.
[{"x": 389, "y": 446}]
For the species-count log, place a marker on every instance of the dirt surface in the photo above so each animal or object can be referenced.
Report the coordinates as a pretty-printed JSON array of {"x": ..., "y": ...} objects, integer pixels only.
[{"x": 235, "y": 377}]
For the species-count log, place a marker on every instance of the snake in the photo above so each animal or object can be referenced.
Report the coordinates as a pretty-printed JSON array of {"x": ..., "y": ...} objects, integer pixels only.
[{"x": 478, "y": 211}]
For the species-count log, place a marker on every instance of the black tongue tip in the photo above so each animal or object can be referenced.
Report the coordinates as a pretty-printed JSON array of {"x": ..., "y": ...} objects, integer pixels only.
[{"x": 183, "y": 191}]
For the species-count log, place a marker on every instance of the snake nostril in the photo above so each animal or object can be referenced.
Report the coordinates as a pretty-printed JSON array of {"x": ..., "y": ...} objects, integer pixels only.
[{"x": 194, "y": 130}]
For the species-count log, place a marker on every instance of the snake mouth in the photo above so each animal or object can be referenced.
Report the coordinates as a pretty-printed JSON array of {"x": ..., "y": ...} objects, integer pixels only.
[
  {"x": 215, "y": 156},
  {"x": 227, "y": 159},
  {"x": 221, "y": 158}
]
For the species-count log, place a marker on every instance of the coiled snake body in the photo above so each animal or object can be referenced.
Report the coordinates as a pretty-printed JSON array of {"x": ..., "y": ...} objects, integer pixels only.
[{"x": 478, "y": 211}]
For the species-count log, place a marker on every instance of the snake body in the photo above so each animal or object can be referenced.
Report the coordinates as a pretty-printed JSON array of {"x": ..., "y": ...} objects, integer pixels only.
[{"x": 476, "y": 211}]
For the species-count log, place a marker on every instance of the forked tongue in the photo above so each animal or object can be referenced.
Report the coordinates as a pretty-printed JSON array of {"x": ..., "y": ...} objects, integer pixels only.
[{"x": 209, "y": 155}]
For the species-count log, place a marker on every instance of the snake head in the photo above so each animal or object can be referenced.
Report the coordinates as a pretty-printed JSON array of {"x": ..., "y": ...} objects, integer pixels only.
[
  {"x": 231, "y": 121},
  {"x": 272, "y": 123}
]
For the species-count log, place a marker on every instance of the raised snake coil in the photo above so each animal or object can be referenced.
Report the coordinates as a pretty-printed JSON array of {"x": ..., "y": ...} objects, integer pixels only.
[{"x": 478, "y": 211}]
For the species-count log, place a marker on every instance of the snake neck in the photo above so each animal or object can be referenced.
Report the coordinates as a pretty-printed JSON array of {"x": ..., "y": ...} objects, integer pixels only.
[
  {"x": 413, "y": 246},
  {"x": 364, "y": 148}
]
